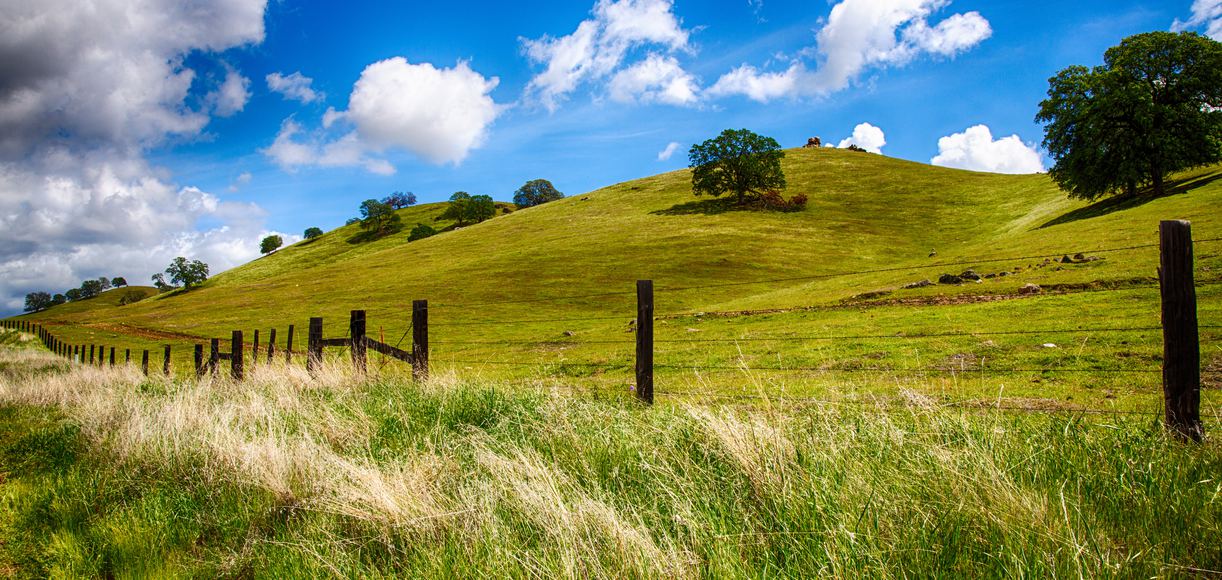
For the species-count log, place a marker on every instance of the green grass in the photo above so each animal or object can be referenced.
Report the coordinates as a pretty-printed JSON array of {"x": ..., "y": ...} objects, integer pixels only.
[{"x": 109, "y": 474}]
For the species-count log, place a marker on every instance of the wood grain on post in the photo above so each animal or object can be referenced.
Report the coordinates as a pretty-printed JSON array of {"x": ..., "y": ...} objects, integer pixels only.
[
  {"x": 314, "y": 345},
  {"x": 165, "y": 362},
  {"x": 356, "y": 333},
  {"x": 236, "y": 368},
  {"x": 288, "y": 346},
  {"x": 644, "y": 340},
  {"x": 1181, "y": 343},
  {"x": 271, "y": 346},
  {"x": 420, "y": 340}
]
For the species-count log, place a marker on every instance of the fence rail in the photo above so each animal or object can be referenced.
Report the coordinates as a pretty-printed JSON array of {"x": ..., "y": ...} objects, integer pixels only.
[{"x": 1181, "y": 369}]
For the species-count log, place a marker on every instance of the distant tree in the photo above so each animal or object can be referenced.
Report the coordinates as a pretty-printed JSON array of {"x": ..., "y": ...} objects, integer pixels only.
[
  {"x": 457, "y": 210},
  {"x": 58, "y": 299},
  {"x": 37, "y": 301},
  {"x": 160, "y": 283},
  {"x": 270, "y": 244},
  {"x": 131, "y": 297},
  {"x": 73, "y": 294},
  {"x": 536, "y": 192},
  {"x": 188, "y": 273},
  {"x": 479, "y": 208},
  {"x": 400, "y": 200},
  {"x": 312, "y": 233},
  {"x": 91, "y": 288},
  {"x": 739, "y": 162},
  {"x": 351, "y": 221},
  {"x": 118, "y": 281},
  {"x": 378, "y": 218},
  {"x": 420, "y": 232},
  {"x": 1154, "y": 107},
  {"x": 105, "y": 282}
]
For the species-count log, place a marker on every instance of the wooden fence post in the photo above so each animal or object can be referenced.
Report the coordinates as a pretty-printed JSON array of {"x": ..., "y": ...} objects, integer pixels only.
[
  {"x": 144, "y": 362},
  {"x": 644, "y": 340},
  {"x": 101, "y": 355},
  {"x": 236, "y": 368},
  {"x": 199, "y": 360},
  {"x": 1181, "y": 343},
  {"x": 214, "y": 355},
  {"x": 288, "y": 346},
  {"x": 127, "y": 356},
  {"x": 165, "y": 362},
  {"x": 356, "y": 331},
  {"x": 254, "y": 350},
  {"x": 314, "y": 345},
  {"x": 112, "y": 356},
  {"x": 91, "y": 354},
  {"x": 271, "y": 346},
  {"x": 420, "y": 340}
]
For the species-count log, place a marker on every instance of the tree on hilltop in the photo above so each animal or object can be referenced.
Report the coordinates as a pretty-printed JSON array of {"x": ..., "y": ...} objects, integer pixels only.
[
  {"x": 188, "y": 273},
  {"x": 740, "y": 163},
  {"x": 536, "y": 192},
  {"x": 378, "y": 218},
  {"x": 312, "y": 233},
  {"x": 270, "y": 244},
  {"x": 37, "y": 301},
  {"x": 400, "y": 200},
  {"x": 1154, "y": 107}
]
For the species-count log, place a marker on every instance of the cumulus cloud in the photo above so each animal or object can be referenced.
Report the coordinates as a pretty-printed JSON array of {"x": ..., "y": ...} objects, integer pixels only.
[
  {"x": 599, "y": 48},
  {"x": 669, "y": 151},
  {"x": 657, "y": 79},
  {"x": 85, "y": 90},
  {"x": 232, "y": 95},
  {"x": 293, "y": 149},
  {"x": 975, "y": 149},
  {"x": 239, "y": 181},
  {"x": 857, "y": 36},
  {"x": 867, "y": 137},
  {"x": 294, "y": 86},
  {"x": 1207, "y": 15}
]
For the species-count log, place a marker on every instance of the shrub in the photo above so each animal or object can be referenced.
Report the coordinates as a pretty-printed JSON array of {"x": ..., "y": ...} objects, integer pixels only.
[
  {"x": 131, "y": 297},
  {"x": 420, "y": 232}
]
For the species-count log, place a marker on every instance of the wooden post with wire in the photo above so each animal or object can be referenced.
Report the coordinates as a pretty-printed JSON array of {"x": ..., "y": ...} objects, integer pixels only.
[
  {"x": 271, "y": 346},
  {"x": 1181, "y": 343},
  {"x": 165, "y": 362},
  {"x": 254, "y": 350},
  {"x": 144, "y": 362},
  {"x": 236, "y": 367},
  {"x": 214, "y": 356},
  {"x": 420, "y": 340},
  {"x": 288, "y": 346},
  {"x": 644, "y": 341},
  {"x": 314, "y": 345},
  {"x": 356, "y": 333},
  {"x": 199, "y": 360}
]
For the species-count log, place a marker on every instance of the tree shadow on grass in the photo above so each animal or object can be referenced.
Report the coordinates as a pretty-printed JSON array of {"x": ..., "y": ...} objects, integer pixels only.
[
  {"x": 367, "y": 236},
  {"x": 714, "y": 206},
  {"x": 1123, "y": 202}
]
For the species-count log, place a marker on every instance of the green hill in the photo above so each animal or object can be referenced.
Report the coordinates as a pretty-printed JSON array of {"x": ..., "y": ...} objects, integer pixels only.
[{"x": 866, "y": 213}]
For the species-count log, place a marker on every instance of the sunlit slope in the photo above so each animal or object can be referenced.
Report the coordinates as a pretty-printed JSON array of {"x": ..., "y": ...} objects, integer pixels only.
[{"x": 866, "y": 212}]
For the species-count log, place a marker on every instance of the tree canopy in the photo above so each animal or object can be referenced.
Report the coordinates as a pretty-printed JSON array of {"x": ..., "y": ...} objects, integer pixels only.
[
  {"x": 118, "y": 281},
  {"x": 1154, "y": 107},
  {"x": 536, "y": 192},
  {"x": 378, "y": 218},
  {"x": 312, "y": 233},
  {"x": 737, "y": 162},
  {"x": 270, "y": 244},
  {"x": 400, "y": 200},
  {"x": 188, "y": 273},
  {"x": 465, "y": 208},
  {"x": 420, "y": 232},
  {"x": 37, "y": 301}
]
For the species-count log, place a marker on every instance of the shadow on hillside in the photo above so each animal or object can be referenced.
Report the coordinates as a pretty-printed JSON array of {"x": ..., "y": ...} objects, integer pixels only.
[
  {"x": 712, "y": 206},
  {"x": 371, "y": 236},
  {"x": 1123, "y": 202}
]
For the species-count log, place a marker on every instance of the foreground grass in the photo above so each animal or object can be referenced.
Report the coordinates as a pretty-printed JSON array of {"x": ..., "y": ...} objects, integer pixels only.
[{"x": 107, "y": 473}]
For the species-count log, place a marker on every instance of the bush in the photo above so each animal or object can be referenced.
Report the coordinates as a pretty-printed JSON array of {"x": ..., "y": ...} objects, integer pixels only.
[
  {"x": 420, "y": 232},
  {"x": 131, "y": 297},
  {"x": 773, "y": 200}
]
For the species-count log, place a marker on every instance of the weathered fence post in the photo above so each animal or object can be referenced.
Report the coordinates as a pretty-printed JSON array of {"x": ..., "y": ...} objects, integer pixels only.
[
  {"x": 271, "y": 346},
  {"x": 199, "y": 360},
  {"x": 127, "y": 356},
  {"x": 314, "y": 345},
  {"x": 1181, "y": 343},
  {"x": 214, "y": 355},
  {"x": 644, "y": 340},
  {"x": 254, "y": 350},
  {"x": 165, "y": 363},
  {"x": 420, "y": 340},
  {"x": 356, "y": 330},
  {"x": 91, "y": 354},
  {"x": 236, "y": 367},
  {"x": 112, "y": 356},
  {"x": 101, "y": 355},
  {"x": 288, "y": 346},
  {"x": 144, "y": 362}
]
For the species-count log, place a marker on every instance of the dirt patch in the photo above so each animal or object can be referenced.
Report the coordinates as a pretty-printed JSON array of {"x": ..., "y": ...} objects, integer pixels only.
[
  {"x": 149, "y": 333},
  {"x": 1018, "y": 403},
  {"x": 1211, "y": 374}
]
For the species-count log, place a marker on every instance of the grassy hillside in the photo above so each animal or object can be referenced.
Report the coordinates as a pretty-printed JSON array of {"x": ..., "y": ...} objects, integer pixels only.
[{"x": 867, "y": 213}]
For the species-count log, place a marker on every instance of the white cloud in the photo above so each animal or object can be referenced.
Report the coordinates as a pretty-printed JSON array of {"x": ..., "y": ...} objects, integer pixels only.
[
  {"x": 239, "y": 181},
  {"x": 976, "y": 150},
  {"x": 599, "y": 47},
  {"x": 290, "y": 153},
  {"x": 294, "y": 86},
  {"x": 1205, "y": 13},
  {"x": 670, "y": 149},
  {"x": 232, "y": 95},
  {"x": 867, "y": 137},
  {"x": 859, "y": 35},
  {"x": 657, "y": 79},
  {"x": 86, "y": 88},
  {"x": 437, "y": 114}
]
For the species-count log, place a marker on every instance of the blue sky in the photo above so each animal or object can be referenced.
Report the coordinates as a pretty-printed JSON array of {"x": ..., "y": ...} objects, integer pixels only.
[{"x": 137, "y": 133}]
